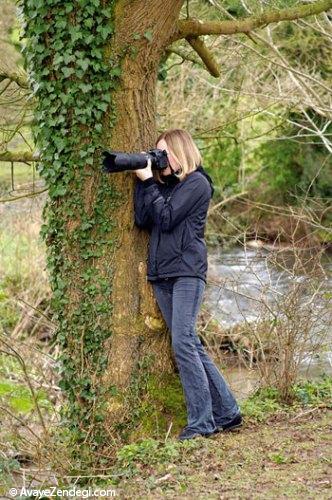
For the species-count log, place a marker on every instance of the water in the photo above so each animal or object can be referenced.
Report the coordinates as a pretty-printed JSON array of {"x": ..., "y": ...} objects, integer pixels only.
[{"x": 244, "y": 283}]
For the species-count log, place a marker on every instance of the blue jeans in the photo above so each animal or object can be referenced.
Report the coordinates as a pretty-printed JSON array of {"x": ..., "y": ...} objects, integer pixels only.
[{"x": 209, "y": 400}]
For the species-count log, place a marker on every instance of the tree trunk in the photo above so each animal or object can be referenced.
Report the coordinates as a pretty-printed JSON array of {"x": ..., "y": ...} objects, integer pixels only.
[{"x": 138, "y": 329}]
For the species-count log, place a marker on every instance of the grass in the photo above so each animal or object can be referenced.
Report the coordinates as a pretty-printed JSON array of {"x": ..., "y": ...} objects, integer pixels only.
[
  {"x": 283, "y": 457},
  {"x": 19, "y": 398},
  {"x": 286, "y": 454},
  {"x": 22, "y": 255}
]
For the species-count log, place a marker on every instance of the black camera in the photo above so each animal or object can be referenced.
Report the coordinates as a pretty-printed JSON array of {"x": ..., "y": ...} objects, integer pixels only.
[{"x": 116, "y": 161}]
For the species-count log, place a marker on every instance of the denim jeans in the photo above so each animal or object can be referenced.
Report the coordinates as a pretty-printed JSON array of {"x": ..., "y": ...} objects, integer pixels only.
[{"x": 209, "y": 400}]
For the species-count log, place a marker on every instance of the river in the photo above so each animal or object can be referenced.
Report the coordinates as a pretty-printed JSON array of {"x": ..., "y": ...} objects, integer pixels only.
[{"x": 244, "y": 281}]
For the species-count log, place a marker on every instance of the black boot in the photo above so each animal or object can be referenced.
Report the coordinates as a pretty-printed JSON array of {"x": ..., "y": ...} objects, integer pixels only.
[
  {"x": 190, "y": 434},
  {"x": 233, "y": 424}
]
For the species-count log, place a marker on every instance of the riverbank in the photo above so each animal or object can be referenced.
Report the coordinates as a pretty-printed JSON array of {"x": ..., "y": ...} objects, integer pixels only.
[{"x": 305, "y": 224}]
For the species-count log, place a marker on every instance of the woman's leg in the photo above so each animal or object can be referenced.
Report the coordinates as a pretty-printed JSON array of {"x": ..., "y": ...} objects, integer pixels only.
[
  {"x": 187, "y": 297},
  {"x": 224, "y": 404},
  {"x": 163, "y": 291}
]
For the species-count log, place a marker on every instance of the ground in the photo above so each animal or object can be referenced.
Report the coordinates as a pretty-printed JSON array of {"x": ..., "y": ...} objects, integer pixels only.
[{"x": 287, "y": 456}]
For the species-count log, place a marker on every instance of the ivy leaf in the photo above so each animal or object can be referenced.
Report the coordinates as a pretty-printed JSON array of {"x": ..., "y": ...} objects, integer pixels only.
[
  {"x": 102, "y": 105},
  {"x": 115, "y": 71},
  {"x": 68, "y": 58},
  {"x": 65, "y": 98},
  {"x": 97, "y": 53},
  {"x": 85, "y": 87},
  {"x": 148, "y": 35},
  {"x": 57, "y": 190},
  {"x": 96, "y": 66},
  {"x": 105, "y": 30},
  {"x": 84, "y": 63},
  {"x": 106, "y": 12},
  {"x": 58, "y": 59},
  {"x": 83, "y": 153},
  {"x": 61, "y": 24},
  {"x": 88, "y": 22},
  {"x": 58, "y": 45},
  {"x": 88, "y": 39},
  {"x": 67, "y": 71},
  {"x": 75, "y": 33}
]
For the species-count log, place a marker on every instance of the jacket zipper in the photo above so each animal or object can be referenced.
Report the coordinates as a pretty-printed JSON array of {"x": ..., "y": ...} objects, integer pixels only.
[{"x": 155, "y": 259}]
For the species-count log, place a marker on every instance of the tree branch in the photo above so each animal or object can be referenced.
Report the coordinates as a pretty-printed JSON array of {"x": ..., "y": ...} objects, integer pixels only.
[
  {"x": 195, "y": 27},
  {"x": 205, "y": 54},
  {"x": 180, "y": 53},
  {"x": 19, "y": 156},
  {"x": 19, "y": 78}
]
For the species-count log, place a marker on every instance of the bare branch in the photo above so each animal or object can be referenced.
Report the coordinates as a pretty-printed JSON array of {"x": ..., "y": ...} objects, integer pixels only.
[
  {"x": 18, "y": 77},
  {"x": 19, "y": 156},
  {"x": 29, "y": 195},
  {"x": 186, "y": 57},
  {"x": 225, "y": 200},
  {"x": 195, "y": 27}
]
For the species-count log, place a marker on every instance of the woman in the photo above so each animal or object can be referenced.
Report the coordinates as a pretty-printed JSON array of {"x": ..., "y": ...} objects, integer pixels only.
[{"x": 173, "y": 206}]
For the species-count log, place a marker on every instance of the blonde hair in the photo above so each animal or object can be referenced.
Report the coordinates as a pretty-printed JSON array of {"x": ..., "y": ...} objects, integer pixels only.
[{"x": 186, "y": 153}]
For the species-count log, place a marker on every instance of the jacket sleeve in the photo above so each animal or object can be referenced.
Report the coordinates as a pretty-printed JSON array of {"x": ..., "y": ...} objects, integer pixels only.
[
  {"x": 167, "y": 215},
  {"x": 143, "y": 218}
]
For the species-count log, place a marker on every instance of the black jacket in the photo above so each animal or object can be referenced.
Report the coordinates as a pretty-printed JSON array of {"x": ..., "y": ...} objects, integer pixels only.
[{"x": 175, "y": 216}]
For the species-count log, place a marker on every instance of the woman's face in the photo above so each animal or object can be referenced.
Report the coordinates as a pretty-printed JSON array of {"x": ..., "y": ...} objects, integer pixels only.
[{"x": 162, "y": 144}]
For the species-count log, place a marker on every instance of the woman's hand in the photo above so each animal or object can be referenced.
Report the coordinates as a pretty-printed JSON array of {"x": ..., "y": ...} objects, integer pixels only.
[{"x": 144, "y": 173}]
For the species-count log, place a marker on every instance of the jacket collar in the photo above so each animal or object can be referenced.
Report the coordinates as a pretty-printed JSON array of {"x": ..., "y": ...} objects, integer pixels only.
[
  {"x": 203, "y": 172},
  {"x": 172, "y": 180}
]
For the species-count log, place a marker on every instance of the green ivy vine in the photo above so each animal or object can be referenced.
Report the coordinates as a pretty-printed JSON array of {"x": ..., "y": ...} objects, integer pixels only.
[{"x": 72, "y": 78}]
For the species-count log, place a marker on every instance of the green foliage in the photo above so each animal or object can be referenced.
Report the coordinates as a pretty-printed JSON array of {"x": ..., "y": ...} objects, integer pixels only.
[
  {"x": 267, "y": 400},
  {"x": 278, "y": 458},
  {"x": 72, "y": 76},
  {"x": 289, "y": 169},
  {"x": 8, "y": 311},
  {"x": 279, "y": 172},
  {"x": 8, "y": 465},
  {"x": 225, "y": 154},
  {"x": 261, "y": 404},
  {"x": 146, "y": 452},
  {"x": 307, "y": 48},
  {"x": 151, "y": 452},
  {"x": 276, "y": 170},
  {"x": 312, "y": 392},
  {"x": 19, "y": 397}
]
